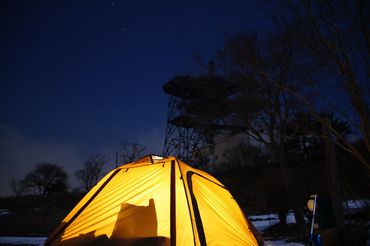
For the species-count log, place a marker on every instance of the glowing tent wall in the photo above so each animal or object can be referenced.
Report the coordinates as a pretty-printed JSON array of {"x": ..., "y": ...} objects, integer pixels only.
[{"x": 163, "y": 202}]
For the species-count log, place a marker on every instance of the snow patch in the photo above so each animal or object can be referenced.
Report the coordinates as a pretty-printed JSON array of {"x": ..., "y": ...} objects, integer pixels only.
[
  {"x": 264, "y": 224},
  {"x": 264, "y": 221},
  {"x": 23, "y": 240},
  {"x": 356, "y": 206},
  {"x": 4, "y": 211},
  {"x": 264, "y": 217},
  {"x": 282, "y": 242}
]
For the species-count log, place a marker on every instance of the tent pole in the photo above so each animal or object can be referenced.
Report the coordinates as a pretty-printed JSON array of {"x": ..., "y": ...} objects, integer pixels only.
[{"x": 173, "y": 204}]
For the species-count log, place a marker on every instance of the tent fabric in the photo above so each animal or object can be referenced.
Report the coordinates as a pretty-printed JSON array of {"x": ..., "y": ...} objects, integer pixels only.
[{"x": 155, "y": 201}]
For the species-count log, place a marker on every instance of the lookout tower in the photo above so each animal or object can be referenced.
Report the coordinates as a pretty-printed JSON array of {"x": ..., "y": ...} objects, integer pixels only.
[{"x": 195, "y": 106}]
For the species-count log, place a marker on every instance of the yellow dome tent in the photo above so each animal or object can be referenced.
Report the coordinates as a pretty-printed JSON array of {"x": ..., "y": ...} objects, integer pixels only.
[{"x": 156, "y": 201}]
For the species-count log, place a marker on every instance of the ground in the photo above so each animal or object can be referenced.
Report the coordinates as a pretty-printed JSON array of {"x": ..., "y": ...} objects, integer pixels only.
[
  {"x": 261, "y": 222},
  {"x": 266, "y": 223}
]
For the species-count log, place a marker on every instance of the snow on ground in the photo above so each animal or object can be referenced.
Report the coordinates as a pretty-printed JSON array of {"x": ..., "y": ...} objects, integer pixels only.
[
  {"x": 281, "y": 242},
  {"x": 4, "y": 211},
  {"x": 264, "y": 217},
  {"x": 23, "y": 240},
  {"x": 264, "y": 221},
  {"x": 40, "y": 241},
  {"x": 355, "y": 204},
  {"x": 263, "y": 224}
]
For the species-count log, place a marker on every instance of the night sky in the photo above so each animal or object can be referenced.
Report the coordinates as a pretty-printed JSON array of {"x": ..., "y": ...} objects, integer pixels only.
[{"x": 80, "y": 77}]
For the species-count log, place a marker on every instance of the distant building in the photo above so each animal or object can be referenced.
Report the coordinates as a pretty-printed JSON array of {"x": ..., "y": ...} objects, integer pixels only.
[{"x": 214, "y": 155}]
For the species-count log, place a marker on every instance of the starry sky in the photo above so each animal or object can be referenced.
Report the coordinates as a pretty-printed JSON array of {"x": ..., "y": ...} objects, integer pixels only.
[{"x": 80, "y": 77}]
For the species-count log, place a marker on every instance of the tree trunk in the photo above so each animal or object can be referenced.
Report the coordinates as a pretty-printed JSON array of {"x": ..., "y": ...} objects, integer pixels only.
[
  {"x": 292, "y": 191},
  {"x": 334, "y": 186}
]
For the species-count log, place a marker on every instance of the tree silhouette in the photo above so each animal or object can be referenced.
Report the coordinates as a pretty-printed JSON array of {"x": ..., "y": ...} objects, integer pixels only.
[
  {"x": 47, "y": 178},
  {"x": 336, "y": 34},
  {"x": 262, "y": 68},
  {"x": 91, "y": 171},
  {"x": 129, "y": 152},
  {"x": 306, "y": 134}
]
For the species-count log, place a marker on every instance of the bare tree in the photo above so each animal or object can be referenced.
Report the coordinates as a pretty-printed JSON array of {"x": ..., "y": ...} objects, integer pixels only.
[
  {"x": 18, "y": 187},
  {"x": 337, "y": 35},
  {"x": 91, "y": 171},
  {"x": 47, "y": 178},
  {"x": 129, "y": 152},
  {"x": 262, "y": 67}
]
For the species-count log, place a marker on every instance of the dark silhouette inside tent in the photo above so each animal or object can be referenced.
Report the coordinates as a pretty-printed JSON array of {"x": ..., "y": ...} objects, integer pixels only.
[
  {"x": 136, "y": 221},
  {"x": 135, "y": 226}
]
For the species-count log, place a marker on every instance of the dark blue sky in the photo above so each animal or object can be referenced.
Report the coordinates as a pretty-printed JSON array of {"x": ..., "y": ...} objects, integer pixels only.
[{"x": 80, "y": 77}]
